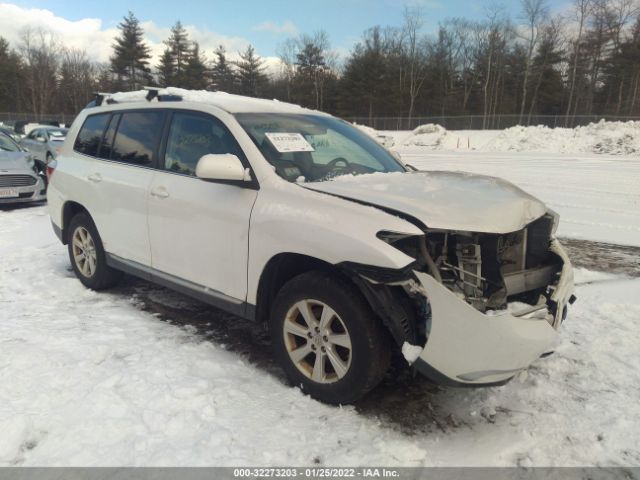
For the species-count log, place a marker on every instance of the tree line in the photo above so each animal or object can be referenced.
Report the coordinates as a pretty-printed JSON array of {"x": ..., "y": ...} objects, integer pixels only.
[{"x": 584, "y": 62}]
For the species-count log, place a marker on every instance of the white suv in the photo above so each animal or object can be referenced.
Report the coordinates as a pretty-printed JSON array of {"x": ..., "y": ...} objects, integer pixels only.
[{"x": 295, "y": 219}]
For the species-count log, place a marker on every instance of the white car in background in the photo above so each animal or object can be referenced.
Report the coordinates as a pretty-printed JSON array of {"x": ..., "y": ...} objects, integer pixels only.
[{"x": 296, "y": 219}]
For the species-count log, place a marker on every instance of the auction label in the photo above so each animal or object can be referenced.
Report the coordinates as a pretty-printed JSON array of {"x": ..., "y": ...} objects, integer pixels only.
[{"x": 289, "y": 142}]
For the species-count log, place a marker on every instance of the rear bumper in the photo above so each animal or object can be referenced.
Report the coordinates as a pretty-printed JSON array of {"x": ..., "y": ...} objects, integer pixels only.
[{"x": 468, "y": 348}]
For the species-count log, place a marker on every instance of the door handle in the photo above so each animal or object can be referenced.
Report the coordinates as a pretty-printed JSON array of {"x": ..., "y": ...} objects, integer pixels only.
[
  {"x": 159, "y": 192},
  {"x": 94, "y": 177}
]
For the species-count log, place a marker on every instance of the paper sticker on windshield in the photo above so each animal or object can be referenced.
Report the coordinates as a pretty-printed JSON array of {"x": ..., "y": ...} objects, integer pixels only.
[{"x": 289, "y": 142}]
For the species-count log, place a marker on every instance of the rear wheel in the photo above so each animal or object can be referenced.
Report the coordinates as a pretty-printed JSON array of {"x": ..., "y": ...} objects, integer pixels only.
[
  {"x": 87, "y": 254},
  {"x": 327, "y": 339}
]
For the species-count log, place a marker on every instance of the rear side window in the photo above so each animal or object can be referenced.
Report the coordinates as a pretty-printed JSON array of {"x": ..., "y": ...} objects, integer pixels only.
[
  {"x": 137, "y": 137},
  {"x": 88, "y": 139},
  {"x": 107, "y": 142}
]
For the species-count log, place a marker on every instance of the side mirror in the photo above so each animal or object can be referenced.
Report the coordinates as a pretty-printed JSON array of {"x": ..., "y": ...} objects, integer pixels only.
[
  {"x": 224, "y": 167},
  {"x": 41, "y": 139}
]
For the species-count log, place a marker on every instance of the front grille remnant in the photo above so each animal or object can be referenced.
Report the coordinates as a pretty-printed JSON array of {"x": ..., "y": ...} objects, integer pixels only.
[{"x": 17, "y": 181}]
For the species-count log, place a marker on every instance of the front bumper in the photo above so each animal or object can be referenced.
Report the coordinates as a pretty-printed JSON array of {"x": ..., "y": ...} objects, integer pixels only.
[
  {"x": 31, "y": 193},
  {"x": 468, "y": 348}
]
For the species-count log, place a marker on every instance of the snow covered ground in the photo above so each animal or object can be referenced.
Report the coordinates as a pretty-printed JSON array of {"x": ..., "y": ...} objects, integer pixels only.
[
  {"x": 114, "y": 379},
  {"x": 590, "y": 175}
]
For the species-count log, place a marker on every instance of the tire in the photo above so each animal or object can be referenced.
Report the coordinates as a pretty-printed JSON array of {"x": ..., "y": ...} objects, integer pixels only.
[
  {"x": 341, "y": 375},
  {"x": 87, "y": 256}
]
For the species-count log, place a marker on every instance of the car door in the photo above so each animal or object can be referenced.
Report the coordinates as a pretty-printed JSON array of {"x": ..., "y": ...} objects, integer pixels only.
[
  {"x": 198, "y": 229},
  {"x": 118, "y": 180}
]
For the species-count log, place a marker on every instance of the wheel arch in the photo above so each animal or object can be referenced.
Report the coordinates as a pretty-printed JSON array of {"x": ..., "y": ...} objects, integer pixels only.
[
  {"x": 390, "y": 304},
  {"x": 279, "y": 270},
  {"x": 70, "y": 210}
]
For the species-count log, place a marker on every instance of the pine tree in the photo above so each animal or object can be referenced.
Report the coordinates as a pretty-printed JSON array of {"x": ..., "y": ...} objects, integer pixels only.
[
  {"x": 311, "y": 66},
  {"x": 196, "y": 75},
  {"x": 251, "y": 73},
  {"x": 179, "y": 53},
  {"x": 130, "y": 59},
  {"x": 166, "y": 69},
  {"x": 223, "y": 76}
]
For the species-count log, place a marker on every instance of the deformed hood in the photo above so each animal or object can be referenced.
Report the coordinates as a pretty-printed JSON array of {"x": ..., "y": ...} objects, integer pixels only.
[{"x": 442, "y": 200}]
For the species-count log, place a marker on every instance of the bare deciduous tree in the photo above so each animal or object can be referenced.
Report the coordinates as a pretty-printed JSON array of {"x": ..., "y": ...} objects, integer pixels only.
[
  {"x": 40, "y": 50},
  {"x": 581, "y": 11},
  {"x": 415, "y": 45},
  {"x": 534, "y": 13}
]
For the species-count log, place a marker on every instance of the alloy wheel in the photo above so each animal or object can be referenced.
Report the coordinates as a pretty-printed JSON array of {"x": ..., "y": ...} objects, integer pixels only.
[
  {"x": 84, "y": 252},
  {"x": 317, "y": 341}
]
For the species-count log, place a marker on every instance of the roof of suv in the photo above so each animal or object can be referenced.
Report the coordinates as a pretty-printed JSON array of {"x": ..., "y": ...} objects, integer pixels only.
[{"x": 226, "y": 101}]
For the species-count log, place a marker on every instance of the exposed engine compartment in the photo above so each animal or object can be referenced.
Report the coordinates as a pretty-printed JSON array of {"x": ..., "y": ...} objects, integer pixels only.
[{"x": 490, "y": 270}]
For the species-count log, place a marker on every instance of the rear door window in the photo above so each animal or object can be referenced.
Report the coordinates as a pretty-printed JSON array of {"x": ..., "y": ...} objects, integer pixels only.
[
  {"x": 137, "y": 137},
  {"x": 88, "y": 140}
]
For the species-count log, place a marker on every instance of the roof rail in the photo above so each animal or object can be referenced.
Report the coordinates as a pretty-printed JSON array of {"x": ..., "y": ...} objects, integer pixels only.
[
  {"x": 98, "y": 97},
  {"x": 154, "y": 92}
]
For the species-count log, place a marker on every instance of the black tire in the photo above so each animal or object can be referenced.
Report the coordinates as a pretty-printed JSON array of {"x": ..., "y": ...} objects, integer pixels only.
[
  {"x": 371, "y": 349},
  {"x": 102, "y": 276}
]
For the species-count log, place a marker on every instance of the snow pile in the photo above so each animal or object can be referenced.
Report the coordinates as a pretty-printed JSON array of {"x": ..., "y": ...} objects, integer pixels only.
[
  {"x": 385, "y": 140},
  {"x": 429, "y": 135},
  {"x": 613, "y": 138}
]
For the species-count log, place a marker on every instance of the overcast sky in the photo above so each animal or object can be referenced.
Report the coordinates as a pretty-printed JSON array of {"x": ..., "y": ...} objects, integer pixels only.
[{"x": 233, "y": 23}]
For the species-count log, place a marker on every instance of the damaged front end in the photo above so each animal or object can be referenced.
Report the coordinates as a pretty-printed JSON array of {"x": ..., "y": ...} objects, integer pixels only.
[{"x": 484, "y": 305}]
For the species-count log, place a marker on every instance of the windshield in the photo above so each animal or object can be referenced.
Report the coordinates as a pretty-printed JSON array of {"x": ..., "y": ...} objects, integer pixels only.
[
  {"x": 314, "y": 148},
  {"x": 7, "y": 144}
]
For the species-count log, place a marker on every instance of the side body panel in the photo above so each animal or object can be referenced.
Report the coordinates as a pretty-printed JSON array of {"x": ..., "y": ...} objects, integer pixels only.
[{"x": 200, "y": 231}]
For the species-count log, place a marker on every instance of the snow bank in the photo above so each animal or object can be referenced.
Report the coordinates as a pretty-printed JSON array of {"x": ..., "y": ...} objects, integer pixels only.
[
  {"x": 613, "y": 138},
  {"x": 385, "y": 140},
  {"x": 429, "y": 135}
]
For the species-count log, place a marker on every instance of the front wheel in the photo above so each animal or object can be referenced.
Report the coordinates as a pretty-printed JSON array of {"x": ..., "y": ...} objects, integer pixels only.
[
  {"x": 87, "y": 254},
  {"x": 327, "y": 339}
]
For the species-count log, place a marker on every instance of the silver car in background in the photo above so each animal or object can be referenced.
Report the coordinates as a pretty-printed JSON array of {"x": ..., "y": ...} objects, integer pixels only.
[
  {"x": 44, "y": 143},
  {"x": 19, "y": 180}
]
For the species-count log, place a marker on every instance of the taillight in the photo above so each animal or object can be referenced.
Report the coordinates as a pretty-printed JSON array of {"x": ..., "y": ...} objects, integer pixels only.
[{"x": 51, "y": 167}]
